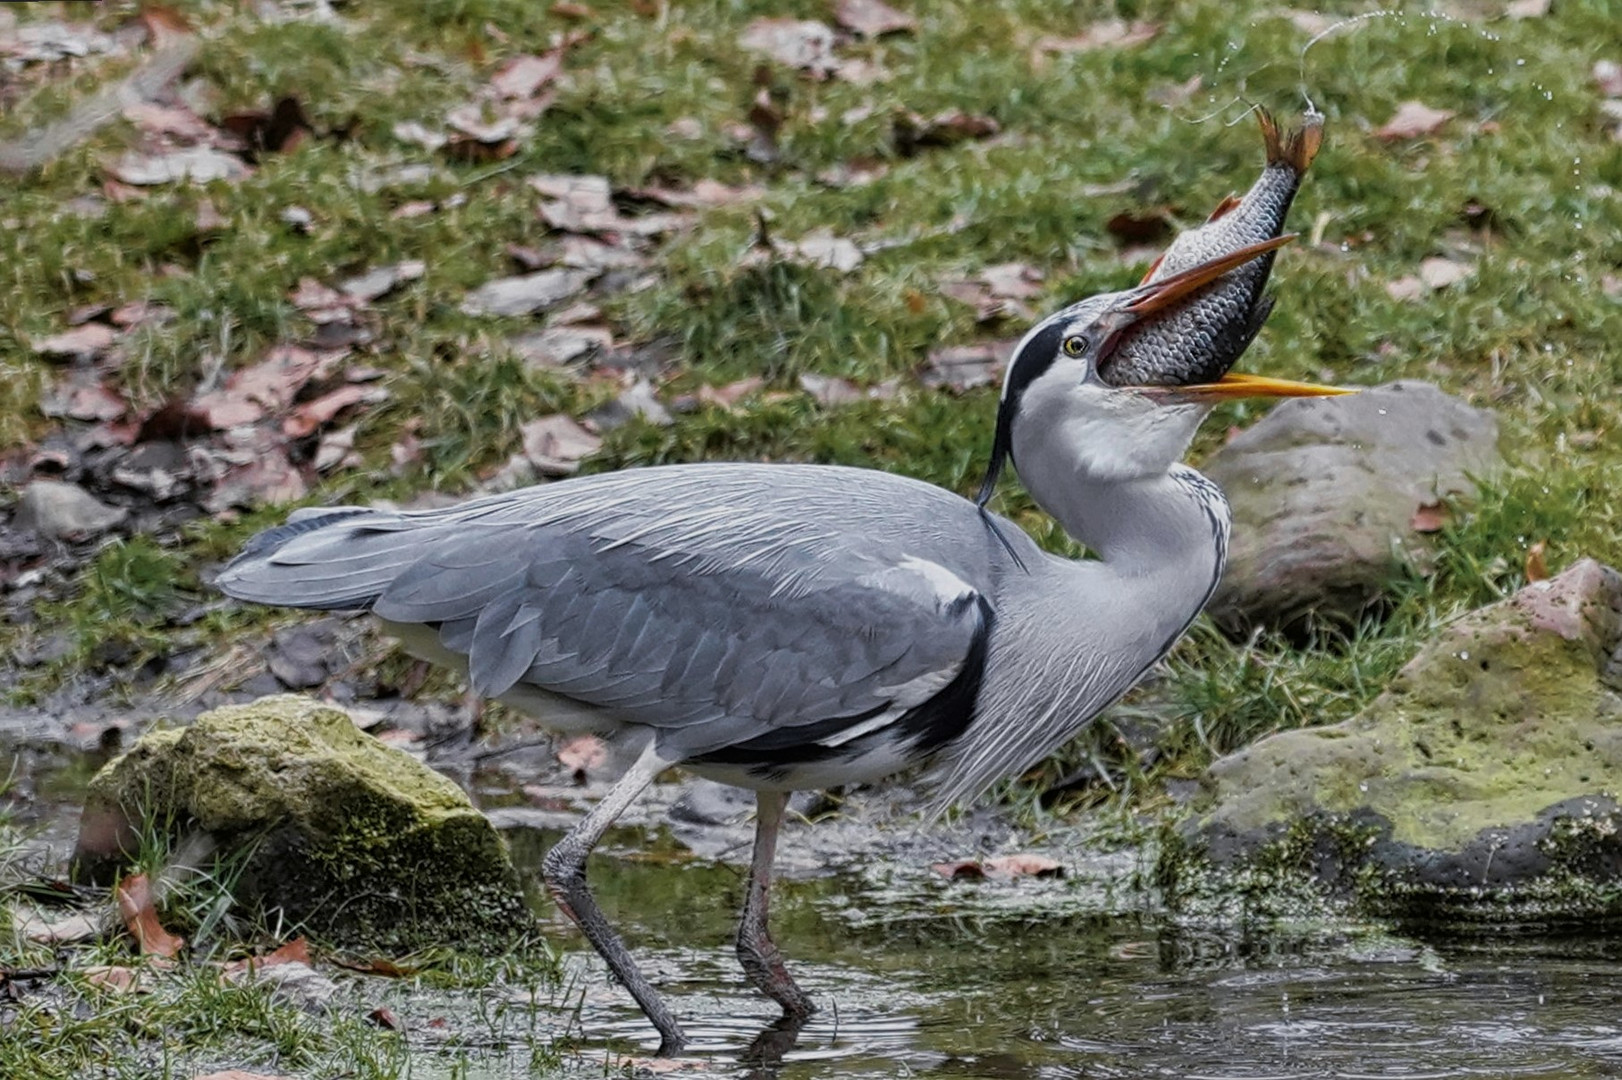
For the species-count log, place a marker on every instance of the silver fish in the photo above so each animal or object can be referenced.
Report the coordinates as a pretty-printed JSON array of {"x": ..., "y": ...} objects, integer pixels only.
[{"x": 1199, "y": 340}]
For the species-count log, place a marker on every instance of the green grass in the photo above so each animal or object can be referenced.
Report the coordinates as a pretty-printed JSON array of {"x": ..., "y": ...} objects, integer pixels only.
[{"x": 1532, "y": 333}]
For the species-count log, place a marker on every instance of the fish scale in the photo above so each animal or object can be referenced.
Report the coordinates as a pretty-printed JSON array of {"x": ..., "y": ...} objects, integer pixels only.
[{"x": 1198, "y": 341}]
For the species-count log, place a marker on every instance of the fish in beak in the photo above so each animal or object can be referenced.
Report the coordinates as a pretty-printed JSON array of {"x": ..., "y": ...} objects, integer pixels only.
[
  {"x": 1200, "y": 335},
  {"x": 1152, "y": 318}
]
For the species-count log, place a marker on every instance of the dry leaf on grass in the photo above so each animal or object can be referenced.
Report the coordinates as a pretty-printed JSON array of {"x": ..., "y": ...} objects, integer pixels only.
[
  {"x": 1438, "y": 273},
  {"x": 1412, "y": 120},
  {"x": 526, "y": 294},
  {"x": 1407, "y": 287},
  {"x": 964, "y": 367},
  {"x": 1537, "y": 567},
  {"x": 135, "y": 904},
  {"x": 83, "y": 400},
  {"x": 82, "y": 341},
  {"x": 114, "y": 979},
  {"x": 913, "y": 132},
  {"x": 732, "y": 393},
  {"x": 1003, "y": 866},
  {"x": 383, "y": 280},
  {"x": 296, "y": 951},
  {"x": 799, "y": 43},
  {"x": 821, "y": 249},
  {"x": 1608, "y": 77},
  {"x": 197, "y": 165},
  {"x": 1013, "y": 281},
  {"x": 310, "y": 416},
  {"x": 72, "y": 929},
  {"x": 262, "y": 389},
  {"x": 556, "y": 444},
  {"x": 1527, "y": 9},
  {"x": 169, "y": 120},
  {"x": 1106, "y": 34},
  {"x": 872, "y": 18},
  {"x": 525, "y": 76},
  {"x": 1428, "y": 518},
  {"x": 582, "y": 755},
  {"x": 238, "y": 1074}
]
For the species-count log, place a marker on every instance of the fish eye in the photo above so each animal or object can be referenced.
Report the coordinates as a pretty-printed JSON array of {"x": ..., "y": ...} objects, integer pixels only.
[{"x": 1074, "y": 345}]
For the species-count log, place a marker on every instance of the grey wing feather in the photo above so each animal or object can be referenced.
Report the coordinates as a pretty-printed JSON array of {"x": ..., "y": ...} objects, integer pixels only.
[{"x": 676, "y": 601}]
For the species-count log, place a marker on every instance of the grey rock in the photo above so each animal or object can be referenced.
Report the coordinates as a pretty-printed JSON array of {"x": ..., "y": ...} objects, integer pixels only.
[
  {"x": 1476, "y": 788},
  {"x": 705, "y": 802},
  {"x": 526, "y": 293},
  {"x": 1324, "y": 492},
  {"x": 65, "y": 511}
]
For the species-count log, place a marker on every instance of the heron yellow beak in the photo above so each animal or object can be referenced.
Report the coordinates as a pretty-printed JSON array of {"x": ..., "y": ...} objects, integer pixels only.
[{"x": 1232, "y": 386}]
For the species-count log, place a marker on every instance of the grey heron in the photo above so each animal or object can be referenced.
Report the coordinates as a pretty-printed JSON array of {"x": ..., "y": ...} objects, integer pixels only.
[{"x": 789, "y": 627}]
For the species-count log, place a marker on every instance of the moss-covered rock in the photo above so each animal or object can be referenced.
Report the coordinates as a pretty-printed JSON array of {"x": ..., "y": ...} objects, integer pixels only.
[
  {"x": 356, "y": 842},
  {"x": 1480, "y": 786}
]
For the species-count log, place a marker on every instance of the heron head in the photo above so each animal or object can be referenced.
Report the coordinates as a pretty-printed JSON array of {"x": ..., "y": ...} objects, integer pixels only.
[{"x": 1058, "y": 383}]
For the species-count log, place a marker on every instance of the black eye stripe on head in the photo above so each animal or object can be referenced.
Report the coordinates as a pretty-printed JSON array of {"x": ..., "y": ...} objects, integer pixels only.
[{"x": 1030, "y": 362}]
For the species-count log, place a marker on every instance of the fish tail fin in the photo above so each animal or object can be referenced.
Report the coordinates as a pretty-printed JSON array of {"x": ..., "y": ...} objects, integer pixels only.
[{"x": 1295, "y": 147}]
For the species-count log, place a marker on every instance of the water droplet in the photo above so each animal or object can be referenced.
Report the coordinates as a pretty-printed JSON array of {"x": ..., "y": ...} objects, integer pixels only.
[
  {"x": 1465, "y": 655},
  {"x": 1520, "y": 61}
]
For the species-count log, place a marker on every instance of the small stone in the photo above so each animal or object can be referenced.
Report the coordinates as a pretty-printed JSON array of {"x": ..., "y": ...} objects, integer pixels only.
[{"x": 65, "y": 511}]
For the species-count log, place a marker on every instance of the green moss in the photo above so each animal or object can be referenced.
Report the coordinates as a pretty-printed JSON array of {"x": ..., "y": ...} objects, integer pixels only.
[{"x": 356, "y": 841}]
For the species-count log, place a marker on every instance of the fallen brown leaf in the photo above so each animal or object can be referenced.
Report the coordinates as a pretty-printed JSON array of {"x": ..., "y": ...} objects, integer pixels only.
[
  {"x": 798, "y": 43},
  {"x": 1527, "y": 9},
  {"x": 1537, "y": 567},
  {"x": 1438, "y": 273},
  {"x": 961, "y": 870},
  {"x": 1608, "y": 77},
  {"x": 281, "y": 128},
  {"x": 831, "y": 391},
  {"x": 556, "y": 444},
  {"x": 525, "y": 76},
  {"x": 732, "y": 393},
  {"x": 821, "y": 249},
  {"x": 135, "y": 904},
  {"x": 1107, "y": 33},
  {"x": 582, "y": 755},
  {"x": 1428, "y": 518},
  {"x": 872, "y": 18},
  {"x": 384, "y": 1017},
  {"x": 261, "y": 389},
  {"x": 1407, "y": 287},
  {"x": 1412, "y": 120},
  {"x": 196, "y": 165},
  {"x": 82, "y": 341},
  {"x": 913, "y": 132},
  {"x": 169, "y": 120},
  {"x": 71, "y": 930},
  {"x": 311, "y": 416},
  {"x": 964, "y": 367},
  {"x": 383, "y": 280},
  {"x": 296, "y": 951},
  {"x": 526, "y": 294},
  {"x": 115, "y": 979},
  {"x": 1013, "y": 281},
  {"x": 82, "y": 400},
  {"x": 1022, "y": 865}
]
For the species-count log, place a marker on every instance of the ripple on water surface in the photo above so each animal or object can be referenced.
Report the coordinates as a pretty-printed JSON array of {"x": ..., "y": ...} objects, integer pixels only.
[{"x": 1110, "y": 996}]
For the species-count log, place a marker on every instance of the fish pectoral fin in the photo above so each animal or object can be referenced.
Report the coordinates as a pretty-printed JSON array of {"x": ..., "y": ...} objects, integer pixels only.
[{"x": 1230, "y": 203}]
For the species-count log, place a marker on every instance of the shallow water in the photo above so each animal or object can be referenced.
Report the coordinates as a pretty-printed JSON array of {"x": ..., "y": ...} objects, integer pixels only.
[{"x": 936, "y": 983}]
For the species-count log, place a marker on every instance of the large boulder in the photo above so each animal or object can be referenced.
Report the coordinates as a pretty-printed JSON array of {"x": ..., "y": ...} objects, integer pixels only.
[
  {"x": 355, "y": 842},
  {"x": 1481, "y": 786},
  {"x": 1324, "y": 492}
]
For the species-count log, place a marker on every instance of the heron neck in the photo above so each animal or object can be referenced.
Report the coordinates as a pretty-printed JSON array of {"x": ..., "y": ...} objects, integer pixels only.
[{"x": 1175, "y": 522}]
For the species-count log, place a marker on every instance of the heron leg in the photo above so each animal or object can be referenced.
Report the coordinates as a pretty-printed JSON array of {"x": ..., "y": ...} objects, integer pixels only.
[
  {"x": 758, "y": 954},
  {"x": 564, "y": 871}
]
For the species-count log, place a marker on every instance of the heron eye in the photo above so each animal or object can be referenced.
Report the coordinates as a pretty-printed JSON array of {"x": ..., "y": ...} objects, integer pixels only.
[{"x": 1074, "y": 345}]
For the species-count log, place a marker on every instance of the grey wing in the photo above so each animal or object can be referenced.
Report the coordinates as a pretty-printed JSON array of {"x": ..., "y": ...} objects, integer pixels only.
[{"x": 664, "y": 601}]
